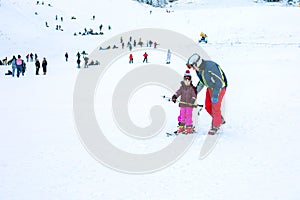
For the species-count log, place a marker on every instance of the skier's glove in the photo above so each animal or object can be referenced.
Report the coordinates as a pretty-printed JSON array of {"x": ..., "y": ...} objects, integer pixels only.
[
  {"x": 174, "y": 98},
  {"x": 214, "y": 100}
]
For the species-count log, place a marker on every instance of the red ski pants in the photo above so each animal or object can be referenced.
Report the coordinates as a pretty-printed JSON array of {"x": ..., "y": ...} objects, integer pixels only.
[{"x": 214, "y": 109}]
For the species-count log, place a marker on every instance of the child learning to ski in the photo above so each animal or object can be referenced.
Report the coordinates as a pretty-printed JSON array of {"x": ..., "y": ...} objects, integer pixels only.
[{"x": 188, "y": 97}]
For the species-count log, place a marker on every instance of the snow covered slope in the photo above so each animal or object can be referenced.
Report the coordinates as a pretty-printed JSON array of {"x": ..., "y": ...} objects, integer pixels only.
[{"x": 258, "y": 47}]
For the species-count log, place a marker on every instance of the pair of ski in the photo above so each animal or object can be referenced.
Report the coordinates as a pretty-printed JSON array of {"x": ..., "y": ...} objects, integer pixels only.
[{"x": 175, "y": 133}]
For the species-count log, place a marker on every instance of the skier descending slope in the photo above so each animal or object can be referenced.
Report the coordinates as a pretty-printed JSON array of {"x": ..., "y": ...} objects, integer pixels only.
[{"x": 212, "y": 76}]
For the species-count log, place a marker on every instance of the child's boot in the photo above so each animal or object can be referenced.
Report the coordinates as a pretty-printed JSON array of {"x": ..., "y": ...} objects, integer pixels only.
[
  {"x": 180, "y": 127},
  {"x": 189, "y": 129}
]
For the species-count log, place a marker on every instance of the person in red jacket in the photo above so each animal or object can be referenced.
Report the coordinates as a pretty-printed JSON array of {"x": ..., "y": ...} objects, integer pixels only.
[
  {"x": 130, "y": 58},
  {"x": 145, "y": 57}
]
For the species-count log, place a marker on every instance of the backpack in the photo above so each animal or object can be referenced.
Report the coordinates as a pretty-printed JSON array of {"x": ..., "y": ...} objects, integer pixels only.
[{"x": 19, "y": 62}]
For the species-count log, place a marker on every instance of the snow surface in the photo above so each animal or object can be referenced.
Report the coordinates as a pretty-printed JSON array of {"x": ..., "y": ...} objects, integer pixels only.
[{"x": 258, "y": 47}]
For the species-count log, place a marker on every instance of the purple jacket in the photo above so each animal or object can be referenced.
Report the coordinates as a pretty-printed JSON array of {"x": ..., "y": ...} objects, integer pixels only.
[{"x": 187, "y": 93}]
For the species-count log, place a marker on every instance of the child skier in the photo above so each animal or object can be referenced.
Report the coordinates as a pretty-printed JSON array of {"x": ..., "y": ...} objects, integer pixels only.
[{"x": 188, "y": 97}]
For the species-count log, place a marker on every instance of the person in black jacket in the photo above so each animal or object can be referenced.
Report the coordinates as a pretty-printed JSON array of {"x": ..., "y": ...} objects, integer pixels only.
[
  {"x": 44, "y": 65},
  {"x": 37, "y": 66}
]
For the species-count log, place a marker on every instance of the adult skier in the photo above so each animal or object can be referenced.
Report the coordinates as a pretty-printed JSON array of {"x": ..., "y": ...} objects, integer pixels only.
[{"x": 212, "y": 76}]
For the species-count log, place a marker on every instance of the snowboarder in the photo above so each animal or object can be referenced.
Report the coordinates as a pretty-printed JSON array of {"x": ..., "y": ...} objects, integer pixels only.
[
  {"x": 44, "y": 65},
  {"x": 168, "y": 57},
  {"x": 130, "y": 58},
  {"x": 145, "y": 57},
  {"x": 188, "y": 97},
  {"x": 212, "y": 76},
  {"x": 37, "y": 66}
]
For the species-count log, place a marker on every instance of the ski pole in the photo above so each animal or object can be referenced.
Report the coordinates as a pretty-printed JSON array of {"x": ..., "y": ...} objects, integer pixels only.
[{"x": 182, "y": 102}]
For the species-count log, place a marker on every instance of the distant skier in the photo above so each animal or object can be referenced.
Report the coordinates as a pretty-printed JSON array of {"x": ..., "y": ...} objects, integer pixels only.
[
  {"x": 44, "y": 65},
  {"x": 37, "y": 66},
  {"x": 66, "y": 56},
  {"x": 78, "y": 63},
  {"x": 212, "y": 76},
  {"x": 13, "y": 65},
  {"x": 31, "y": 57},
  {"x": 19, "y": 65},
  {"x": 86, "y": 61},
  {"x": 150, "y": 43},
  {"x": 130, "y": 58},
  {"x": 145, "y": 57},
  {"x": 168, "y": 57},
  {"x": 188, "y": 97},
  {"x": 23, "y": 68}
]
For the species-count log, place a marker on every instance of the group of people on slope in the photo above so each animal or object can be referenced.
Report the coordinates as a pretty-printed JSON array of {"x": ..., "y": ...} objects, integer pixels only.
[{"x": 19, "y": 65}]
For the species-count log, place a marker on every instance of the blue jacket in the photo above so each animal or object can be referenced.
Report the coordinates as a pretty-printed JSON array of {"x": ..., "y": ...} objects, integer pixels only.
[
  {"x": 212, "y": 76},
  {"x": 13, "y": 63}
]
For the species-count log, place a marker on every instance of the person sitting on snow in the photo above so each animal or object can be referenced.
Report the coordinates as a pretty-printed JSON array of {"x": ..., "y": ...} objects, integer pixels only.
[{"x": 203, "y": 37}]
